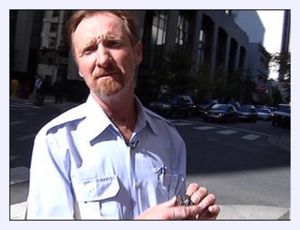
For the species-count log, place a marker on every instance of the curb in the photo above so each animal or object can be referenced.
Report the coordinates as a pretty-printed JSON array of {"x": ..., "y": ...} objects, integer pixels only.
[
  {"x": 17, "y": 211},
  {"x": 253, "y": 212}
]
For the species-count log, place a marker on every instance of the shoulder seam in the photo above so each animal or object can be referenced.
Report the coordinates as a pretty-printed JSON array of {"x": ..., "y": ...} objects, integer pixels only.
[{"x": 72, "y": 115}]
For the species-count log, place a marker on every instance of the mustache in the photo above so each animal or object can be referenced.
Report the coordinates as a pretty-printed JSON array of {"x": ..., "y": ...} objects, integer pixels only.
[{"x": 105, "y": 71}]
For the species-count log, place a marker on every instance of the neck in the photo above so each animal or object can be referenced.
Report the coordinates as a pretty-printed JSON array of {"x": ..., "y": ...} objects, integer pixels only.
[{"x": 122, "y": 112}]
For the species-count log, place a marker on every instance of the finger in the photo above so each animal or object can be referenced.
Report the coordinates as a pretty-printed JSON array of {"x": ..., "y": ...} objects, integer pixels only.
[
  {"x": 185, "y": 212},
  {"x": 199, "y": 195},
  {"x": 207, "y": 201},
  {"x": 192, "y": 188},
  {"x": 214, "y": 209},
  {"x": 210, "y": 214}
]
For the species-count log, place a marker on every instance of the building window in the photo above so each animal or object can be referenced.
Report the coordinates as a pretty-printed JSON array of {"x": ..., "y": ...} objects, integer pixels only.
[
  {"x": 182, "y": 30},
  {"x": 159, "y": 27},
  {"x": 201, "y": 43},
  {"x": 55, "y": 13},
  {"x": 52, "y": 43},
  {"x": 53, "y": 27}
]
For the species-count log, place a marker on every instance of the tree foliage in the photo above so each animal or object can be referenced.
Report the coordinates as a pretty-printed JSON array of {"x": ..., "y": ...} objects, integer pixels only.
[{"x": 281, "y": 62}]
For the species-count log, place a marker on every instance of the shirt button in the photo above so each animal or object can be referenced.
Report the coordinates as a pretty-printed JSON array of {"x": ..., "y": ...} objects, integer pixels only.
[{"x": 138, "y": 184}]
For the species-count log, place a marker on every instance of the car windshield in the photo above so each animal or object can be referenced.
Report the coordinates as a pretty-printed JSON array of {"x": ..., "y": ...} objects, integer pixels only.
[
  {"x": 222, "y": 107},
  {"x": 182, "y": 100},
  {"x": 164, "y": 99},
  {"x": 284, "y": 108},
  {"x": 247, "y": 109},
  {"x": 264, "y": 111}
]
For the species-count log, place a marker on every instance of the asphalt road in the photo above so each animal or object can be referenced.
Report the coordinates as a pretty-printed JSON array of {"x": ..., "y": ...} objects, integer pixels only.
[{"x": 242, "y": 163}]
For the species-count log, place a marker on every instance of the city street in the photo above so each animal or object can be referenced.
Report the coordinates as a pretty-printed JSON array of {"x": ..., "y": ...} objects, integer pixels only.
[
  {"x": 225, "y": 64},
  {"x": 242, "y": 163}
]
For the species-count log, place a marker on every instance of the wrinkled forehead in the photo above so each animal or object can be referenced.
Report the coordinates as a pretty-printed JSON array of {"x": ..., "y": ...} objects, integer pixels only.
[{"x": 100, "y": 25}]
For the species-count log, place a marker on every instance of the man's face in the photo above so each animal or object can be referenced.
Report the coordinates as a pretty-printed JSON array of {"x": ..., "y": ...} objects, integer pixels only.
[{"x": 105, "y": 56}]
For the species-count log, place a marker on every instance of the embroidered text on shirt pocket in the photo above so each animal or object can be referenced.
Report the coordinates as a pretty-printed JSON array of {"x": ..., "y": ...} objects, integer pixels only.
[
  {"x": 98, "y": 198},
  {"x": 96, "y": 188}
]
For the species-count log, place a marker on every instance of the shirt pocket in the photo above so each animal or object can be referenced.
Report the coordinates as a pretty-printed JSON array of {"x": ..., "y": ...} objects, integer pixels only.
[
  {"x": 97, "y": 197},
  {"x": 170, "y": 184}
]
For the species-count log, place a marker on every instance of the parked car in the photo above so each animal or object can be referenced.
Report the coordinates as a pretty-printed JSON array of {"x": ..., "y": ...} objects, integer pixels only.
[
  {"x": 204, "y": 106},
  {"x": 247, "y": 113},
  {"x": 221, "y": 112},
  {"x": 264, "y": 114},
  {"x": 176, "y": 106},
  {"x": 236, "y": 104},
  {"x": 182, "y": 106},
  {"x": 162, "y": 106},
  {"x": 282, "y": 116}
]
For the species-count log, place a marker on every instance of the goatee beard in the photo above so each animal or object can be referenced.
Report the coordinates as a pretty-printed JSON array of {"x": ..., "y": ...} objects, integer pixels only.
[
  {"x": 109, "y": 80},
  {"x": 110, "y": 86}
]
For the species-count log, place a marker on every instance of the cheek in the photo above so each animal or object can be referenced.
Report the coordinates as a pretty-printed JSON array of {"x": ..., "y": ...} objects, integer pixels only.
[
  {"x": 127, "y": 62},
  {"x": 86, "y": 66}
]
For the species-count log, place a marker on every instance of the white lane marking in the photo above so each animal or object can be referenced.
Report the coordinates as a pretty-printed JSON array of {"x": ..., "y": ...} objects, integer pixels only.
[
  {"x": 30, "y": 136},
  {"x": 250, "y": 137},
  {"x": 234, "y": 128},
  {"x": 19, "y": 175},
  {"x": 16, "y": 122},
  {"x": 182, "y": 123},
  {"x": 204, "y": 128},
  {"x": 227, "y": 132}
]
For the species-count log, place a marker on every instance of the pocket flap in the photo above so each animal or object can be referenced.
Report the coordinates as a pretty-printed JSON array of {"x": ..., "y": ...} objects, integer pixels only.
[{"x": 96, "y": 189}]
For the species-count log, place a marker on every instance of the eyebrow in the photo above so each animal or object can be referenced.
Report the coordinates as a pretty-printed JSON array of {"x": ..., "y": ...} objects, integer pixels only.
[
  {"x": 111, "y": 36},
  {"x": 104, "y": 37},
  {"x": 87, "y": 44}
]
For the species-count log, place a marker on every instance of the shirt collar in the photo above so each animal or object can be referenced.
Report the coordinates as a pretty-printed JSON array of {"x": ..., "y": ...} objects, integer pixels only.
[
  {"x": 98, "y": 121},
  {"x": 144, "y": 119}
]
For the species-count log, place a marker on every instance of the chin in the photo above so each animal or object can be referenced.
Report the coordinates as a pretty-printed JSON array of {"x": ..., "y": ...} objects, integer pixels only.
[{"x": 111, "y": 92}]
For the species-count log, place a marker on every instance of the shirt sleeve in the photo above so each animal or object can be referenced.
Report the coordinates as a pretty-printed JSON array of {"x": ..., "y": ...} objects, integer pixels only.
[{"x": 50, "y": 191}]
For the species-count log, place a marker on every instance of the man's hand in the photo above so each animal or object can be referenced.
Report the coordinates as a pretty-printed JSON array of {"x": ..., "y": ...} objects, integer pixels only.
[
  {"x": 203, "y": 208},
  {"x": 204, "y": 200}
]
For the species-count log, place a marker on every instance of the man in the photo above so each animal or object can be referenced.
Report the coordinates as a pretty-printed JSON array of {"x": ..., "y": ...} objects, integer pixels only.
[
  {"x": 39, "y": 91},
  {"x": 110, "y": 157}
]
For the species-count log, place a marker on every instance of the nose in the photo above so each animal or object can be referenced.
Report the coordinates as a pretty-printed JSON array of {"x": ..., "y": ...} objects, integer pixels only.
[{"x": 103, "y": 56}]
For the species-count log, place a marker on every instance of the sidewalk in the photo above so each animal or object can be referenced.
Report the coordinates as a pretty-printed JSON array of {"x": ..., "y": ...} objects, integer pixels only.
[{"x": 49, "y": 100}]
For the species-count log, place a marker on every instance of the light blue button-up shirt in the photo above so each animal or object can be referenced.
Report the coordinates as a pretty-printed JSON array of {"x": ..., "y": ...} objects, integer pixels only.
[{"x": 82, "y": 167}]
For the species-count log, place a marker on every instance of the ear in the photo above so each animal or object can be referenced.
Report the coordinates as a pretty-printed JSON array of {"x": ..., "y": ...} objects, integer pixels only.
[
  {"x": 138, "y": 49},
  {"x": 80, "y": 74}
]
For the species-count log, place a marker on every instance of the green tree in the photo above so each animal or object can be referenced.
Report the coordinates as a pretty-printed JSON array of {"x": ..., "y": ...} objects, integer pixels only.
[
  {"x": 276, "y": 95},
  {"x": 201, "y": 83},
  {"x": 281, "y": 62},
  {"x": 175, "y": 70}
]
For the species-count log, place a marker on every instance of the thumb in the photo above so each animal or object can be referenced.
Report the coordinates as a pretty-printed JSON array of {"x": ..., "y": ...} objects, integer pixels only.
[{"x": 169, "y": 203}]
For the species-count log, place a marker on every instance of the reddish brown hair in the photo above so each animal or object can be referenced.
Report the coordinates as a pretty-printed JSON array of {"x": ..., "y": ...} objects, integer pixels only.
[{"x": 128, "y": 17}]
